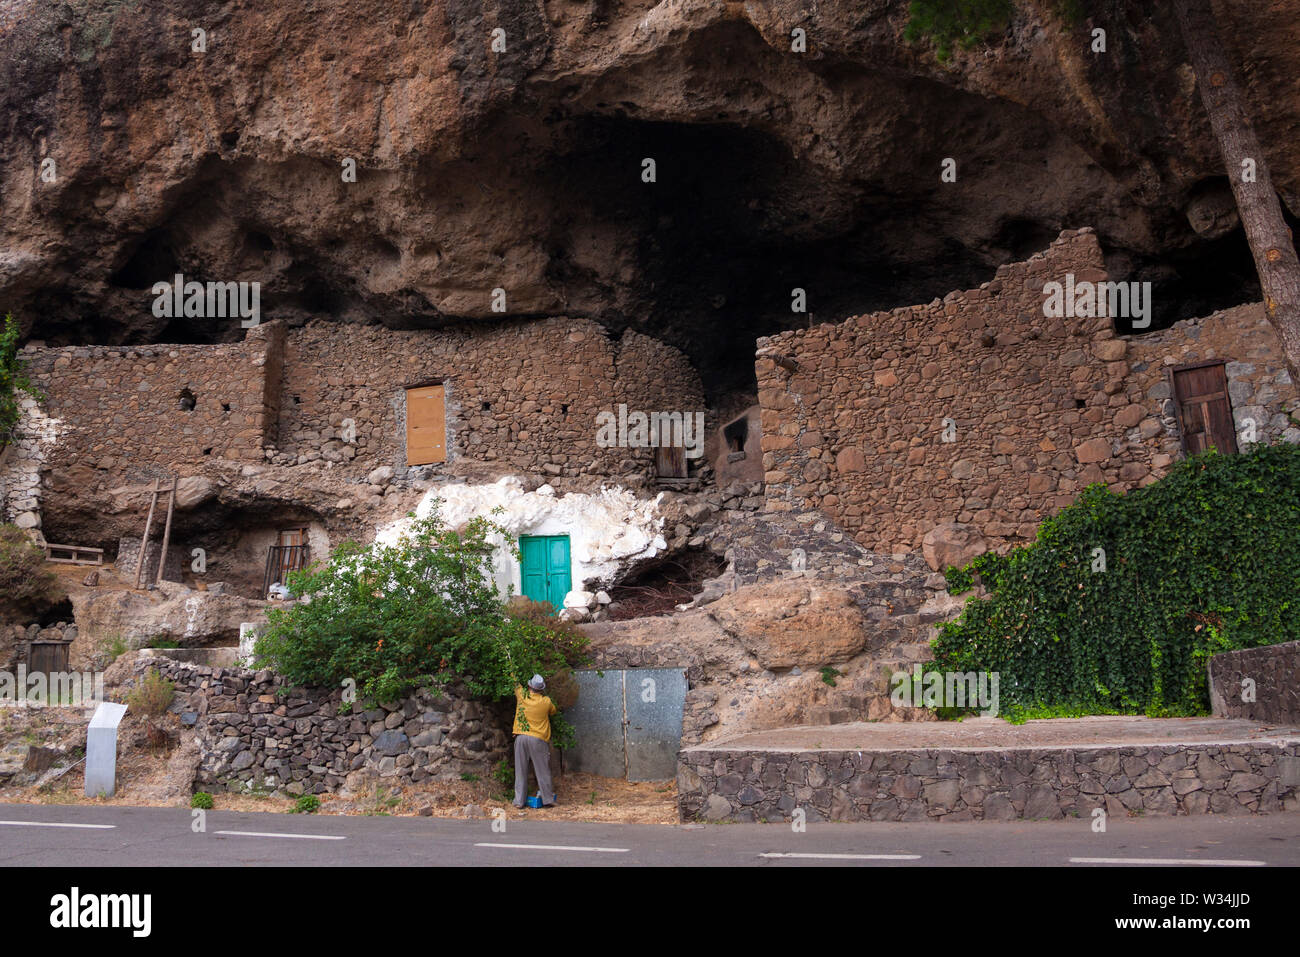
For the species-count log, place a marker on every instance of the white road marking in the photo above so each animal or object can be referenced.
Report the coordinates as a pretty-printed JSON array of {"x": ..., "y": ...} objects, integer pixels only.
[
  {"x": 305, "y": 837},
  {"x": 104, "y": 827},
  {"x": 1166, "y": 860},
  {"x": 849, "y": 857},
  {"x": 560, "y": 847}
]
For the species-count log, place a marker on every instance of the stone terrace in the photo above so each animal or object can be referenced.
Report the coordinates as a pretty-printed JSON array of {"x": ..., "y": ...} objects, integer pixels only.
[{"x": 986, "y": 769}]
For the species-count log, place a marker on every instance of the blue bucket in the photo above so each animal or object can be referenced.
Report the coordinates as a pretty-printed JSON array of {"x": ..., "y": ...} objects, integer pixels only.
[{"x": 534, "y": 801}]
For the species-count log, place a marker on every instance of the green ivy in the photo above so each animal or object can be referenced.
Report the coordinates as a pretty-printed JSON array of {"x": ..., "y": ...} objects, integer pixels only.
[
  {"x": 1205, "y": 560},
  {"x": 13, "y": 380}
]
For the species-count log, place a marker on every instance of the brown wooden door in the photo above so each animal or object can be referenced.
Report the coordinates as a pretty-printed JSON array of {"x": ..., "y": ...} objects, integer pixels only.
[
  {"x": 1204, "y": 409},
  {"x": 426, "y": 425},
  {"x": 48, "y": 657},
  {"x": 291, "y": 553},
  {"x": 670, "y": 461}
]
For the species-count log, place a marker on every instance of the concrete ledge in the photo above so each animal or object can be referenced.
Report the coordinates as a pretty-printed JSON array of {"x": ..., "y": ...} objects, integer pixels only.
[
  {"x": 1211, "y": 767},
  {"x": 212, "y": 657}
]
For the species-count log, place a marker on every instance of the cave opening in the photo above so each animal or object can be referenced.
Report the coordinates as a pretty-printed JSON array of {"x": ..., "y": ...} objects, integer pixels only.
[
  {"x": 738, "y": 239},
  {"x": 660, "y": 585}
]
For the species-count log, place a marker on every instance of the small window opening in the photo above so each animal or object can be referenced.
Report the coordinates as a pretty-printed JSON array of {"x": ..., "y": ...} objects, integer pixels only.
[
  {"x": 735, "y": 434},
  {"x": 188, "y": 400},
  {"x": 225, "y": 407},
  {"x": 207, "y": 451},
  {"x": 296, "y": 400},
  {"x": 564, "y": 409},
  {"x": 486, "y": 406},
  {"x": 1080, "y": 403}
]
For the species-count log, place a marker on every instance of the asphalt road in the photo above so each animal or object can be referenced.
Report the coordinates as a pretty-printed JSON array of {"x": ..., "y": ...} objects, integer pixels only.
[{"x": 84, "y": 836}]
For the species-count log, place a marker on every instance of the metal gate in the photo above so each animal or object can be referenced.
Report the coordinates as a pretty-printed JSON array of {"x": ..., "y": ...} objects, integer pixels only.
[{"x": 628, "y": 723}]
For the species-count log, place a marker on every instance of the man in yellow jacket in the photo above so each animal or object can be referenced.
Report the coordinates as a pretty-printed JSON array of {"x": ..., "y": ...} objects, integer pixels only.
[{"x": 532, "y": 731}]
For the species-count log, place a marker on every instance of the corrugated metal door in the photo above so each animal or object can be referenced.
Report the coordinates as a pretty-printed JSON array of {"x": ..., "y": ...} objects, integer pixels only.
[{"x": 628, "y": 723}]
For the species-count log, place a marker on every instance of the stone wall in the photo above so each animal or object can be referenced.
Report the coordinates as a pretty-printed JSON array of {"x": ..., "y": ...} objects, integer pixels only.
[
  {"x": 122, "y": 406},
  {"x": 1274, "y": 673},
  {"x": 520, "y": 397},
  {"x": 987, "y": 784},
  {"x": 854, "y": 414},
  {"x": 250, "y": 735}
]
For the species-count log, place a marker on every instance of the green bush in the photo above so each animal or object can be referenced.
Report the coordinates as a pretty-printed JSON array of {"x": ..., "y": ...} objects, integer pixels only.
[
  {"x": 422, "y": 613},
  {"x": 13, "y": 380},
  {"x": 307, "y": 804},
  {"x": 201, "y": 800},
  {"x": 24, "y": 579},
  {"x": 1205, "y": 560},
  {"x": 152, "y": 696}
]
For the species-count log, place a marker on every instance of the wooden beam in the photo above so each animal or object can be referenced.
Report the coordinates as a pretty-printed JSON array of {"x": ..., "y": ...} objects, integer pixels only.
[
  {"x": 144, "y": 540},
  {"x": 167, "y": 531}
]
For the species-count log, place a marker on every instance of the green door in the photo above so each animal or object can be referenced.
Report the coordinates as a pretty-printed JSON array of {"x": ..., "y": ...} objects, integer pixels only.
[{"x": 544, "y": 571}]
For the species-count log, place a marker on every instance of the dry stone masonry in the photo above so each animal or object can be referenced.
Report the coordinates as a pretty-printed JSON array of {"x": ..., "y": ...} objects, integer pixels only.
[
  {"x": 855, "y": 414},
  {"x": 997, "y": 784},
  {"x": 255, "y": 733},
  {"x": 1262, "y": 684}
]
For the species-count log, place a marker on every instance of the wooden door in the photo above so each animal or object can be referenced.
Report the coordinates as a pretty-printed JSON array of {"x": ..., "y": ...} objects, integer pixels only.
[
  {"x": 1203, "y": 408},
  {"x": 426, "y": 425},
  {"x": 292, "y": 553}
]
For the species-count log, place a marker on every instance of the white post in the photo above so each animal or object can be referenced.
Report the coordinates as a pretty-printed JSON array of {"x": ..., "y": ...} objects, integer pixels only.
[{"x": 101, "y": 749}]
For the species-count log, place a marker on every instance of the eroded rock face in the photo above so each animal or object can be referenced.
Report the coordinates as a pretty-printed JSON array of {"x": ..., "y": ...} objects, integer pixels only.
[
  {"x": 172, "y": 612},
  {"x": 791, "y": 624},
  {"x": 521, "y": 170}
]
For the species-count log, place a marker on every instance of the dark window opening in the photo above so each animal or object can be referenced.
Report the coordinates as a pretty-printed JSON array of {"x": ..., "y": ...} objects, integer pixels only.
[
  {"x": 225, "y": 407},
  {"x": 735, "y": 434},
  {"x": 1080, "y": 403},
  {"x": 564, "y": 409},
  {"x": 208, "y": 450},
  {"x": 188, "y": 400},
  {"x": 486, "y": 406},
  {"x": 296, "y": 400}
]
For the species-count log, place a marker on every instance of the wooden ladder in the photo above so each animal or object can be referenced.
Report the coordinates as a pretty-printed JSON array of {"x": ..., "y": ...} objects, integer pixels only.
[{"x": 148, "y": 526}]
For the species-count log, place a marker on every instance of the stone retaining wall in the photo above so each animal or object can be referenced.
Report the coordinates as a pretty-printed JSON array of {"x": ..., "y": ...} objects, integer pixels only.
[
  {"x": 994, "y": 784},
  {"x": 251, "y": 735},
  {"x": 1274, "y": 674}
]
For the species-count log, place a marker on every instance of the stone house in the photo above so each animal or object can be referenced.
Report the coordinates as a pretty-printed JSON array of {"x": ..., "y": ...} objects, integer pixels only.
[{"x": 969, "y": 420}]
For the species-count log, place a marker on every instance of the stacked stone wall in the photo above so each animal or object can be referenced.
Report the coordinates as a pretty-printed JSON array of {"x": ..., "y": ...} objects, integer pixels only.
[
  {"x": 1262, "y": 684},
  {"x": 855, "y": 415},
  {"x": 254, "y": 735},
  {"x": 987, "y": 784}
]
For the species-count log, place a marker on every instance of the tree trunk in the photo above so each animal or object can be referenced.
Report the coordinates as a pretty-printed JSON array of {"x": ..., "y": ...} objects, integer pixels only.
[{"x": 1270, "y": 239}]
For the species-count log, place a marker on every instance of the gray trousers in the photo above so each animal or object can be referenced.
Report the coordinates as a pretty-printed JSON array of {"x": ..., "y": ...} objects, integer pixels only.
[{"x": 537, "y": 752}]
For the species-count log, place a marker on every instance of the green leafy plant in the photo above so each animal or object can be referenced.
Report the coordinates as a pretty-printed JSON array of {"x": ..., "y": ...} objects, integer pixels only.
[
  {"x": 468, "y": 776},
  {"x": 13, "y": 380},
  {"x": 423, "y": 612},
  {"x": 201, "y": 800},
  {"x": 962, "y": 23},
  {"x": 829, "y": 675},
  {"x": 307, "y": 804},
  {"x": 1121, "y": 600},
  {"x": 152, "y": 696},
  {"x": 504, "y": 774}
]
